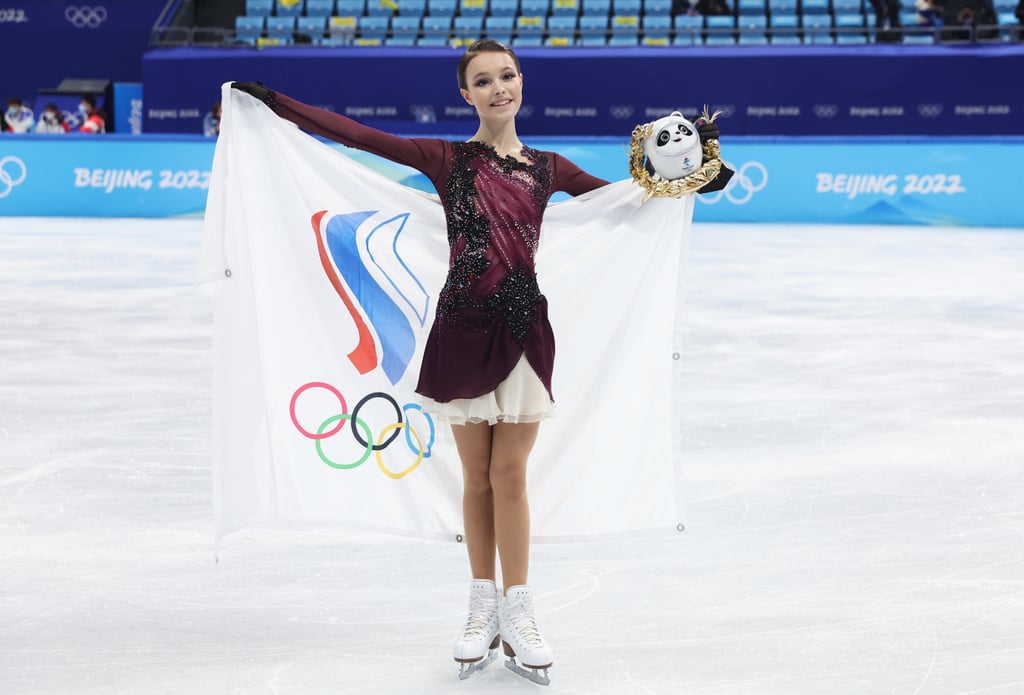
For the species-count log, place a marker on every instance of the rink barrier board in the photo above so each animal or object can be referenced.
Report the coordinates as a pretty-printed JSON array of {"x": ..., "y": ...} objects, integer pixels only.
[
  {"x": 821, "y": 90},
  {"x": 940, "y": 181}
]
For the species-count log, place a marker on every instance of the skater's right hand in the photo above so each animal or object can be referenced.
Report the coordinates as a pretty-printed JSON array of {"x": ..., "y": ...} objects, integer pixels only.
[{"x": 256, "y": 89}]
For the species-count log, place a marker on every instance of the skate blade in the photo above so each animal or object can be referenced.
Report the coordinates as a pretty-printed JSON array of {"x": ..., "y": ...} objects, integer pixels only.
[
  {"x": 468, "y": 669},
  {"x": 529, "y": 674}
]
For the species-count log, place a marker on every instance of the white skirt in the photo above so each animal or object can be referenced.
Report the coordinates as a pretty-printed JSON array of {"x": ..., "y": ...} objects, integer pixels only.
[{"x": 521, "y": 397}]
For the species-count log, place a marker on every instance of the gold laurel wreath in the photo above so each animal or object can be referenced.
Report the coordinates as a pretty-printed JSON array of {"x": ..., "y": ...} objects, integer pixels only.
[{"x": 660, "y": 188}]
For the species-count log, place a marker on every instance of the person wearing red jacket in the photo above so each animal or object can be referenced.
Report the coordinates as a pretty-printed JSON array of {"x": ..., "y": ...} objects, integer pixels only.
[{"x": 92, "y": 117}]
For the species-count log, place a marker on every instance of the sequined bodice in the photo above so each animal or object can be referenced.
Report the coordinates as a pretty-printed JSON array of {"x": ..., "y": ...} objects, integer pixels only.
[{"x": 494, "y": 206}]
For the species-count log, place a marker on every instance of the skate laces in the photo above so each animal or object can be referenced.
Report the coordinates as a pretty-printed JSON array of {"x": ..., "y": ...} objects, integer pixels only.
[
  {"x": 481, "y": 609},
  {"x": 519, "y": 612}
]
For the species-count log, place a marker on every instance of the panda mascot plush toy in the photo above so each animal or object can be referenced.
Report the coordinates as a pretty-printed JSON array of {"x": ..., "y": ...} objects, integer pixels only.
[{"x": 673, "y": 148}]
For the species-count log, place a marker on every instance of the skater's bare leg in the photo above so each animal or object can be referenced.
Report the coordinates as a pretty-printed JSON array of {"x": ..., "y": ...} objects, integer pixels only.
[
  {"x": 474, "y": 442},
  {"x": 510, "y": 448}
]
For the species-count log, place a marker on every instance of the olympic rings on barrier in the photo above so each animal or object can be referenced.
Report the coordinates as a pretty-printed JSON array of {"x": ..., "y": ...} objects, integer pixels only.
[
  {"x": 14, "y": 177},
  {"x": 85, "y": 16},
  {"x": 363, "y": 434}
]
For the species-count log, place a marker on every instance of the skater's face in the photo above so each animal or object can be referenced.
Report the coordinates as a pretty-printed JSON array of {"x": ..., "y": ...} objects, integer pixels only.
[{"x": 494, "y": 86}]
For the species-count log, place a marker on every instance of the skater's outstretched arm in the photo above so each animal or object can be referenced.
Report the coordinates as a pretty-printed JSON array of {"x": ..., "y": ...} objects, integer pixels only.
[{"x": 426, "y": 155}]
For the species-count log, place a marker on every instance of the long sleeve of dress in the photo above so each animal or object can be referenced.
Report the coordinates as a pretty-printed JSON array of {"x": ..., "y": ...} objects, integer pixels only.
[
  {"x": 570, "y": 178},
  {"x": 427, "y": 155}
]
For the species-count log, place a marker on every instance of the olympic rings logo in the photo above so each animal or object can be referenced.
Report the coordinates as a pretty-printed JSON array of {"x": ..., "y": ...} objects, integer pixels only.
[
  {"x": 8, "y": 180},
  {"x": 623, "y": 111},
  {"x": 362, "y": 433},
  {"x": 727, "y": 110},
  {"x": 741, "y": 180},
  {"x": 826, "y": 110},
  {"x": 929, "y": 110},
  {"x": 85, "y": 16}
]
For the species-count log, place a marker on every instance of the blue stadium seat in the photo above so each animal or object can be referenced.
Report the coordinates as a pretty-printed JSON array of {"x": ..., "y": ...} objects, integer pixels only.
[
  {"x": 319, "y": 8},
  {"x": 373, "y": 27},
  {"x": 597, "y": 7},
  {"x": 1009, "y": 27},
  {"x": 282, "y": 28},
  {"x": 688, "y": 29},
  {"x": 565, "y": 7},
  {"x": 752, "y": 29},
  {"x": 562, "y": 27},
  {"x": 908, "y": 18},
  {"x": 472, "y": 8},
  {"x": 814, "y": 7},
  {"x": 499, "y": 28},
  {"x": 315, "y": 28},
  {"x": 593, "y": 29},
  {"x": 1004, "y": 6},
  {"x": 380, "y": 8},
  {"x": 412, "y": 8},
  {"x": 624, "y": 25},
  {"x": 437, "y": 25},
  {"x": 441, "y": 8},
  {"x": 468, "y": 27},
  {"x": 288, "y": 8},
  {"x": 818, "y": 28},
  {"x": 720, "y": 30},
  {"x": 658, "y": 7},
  {"x": 624, "y": 40},
  {"x": 657, "y": 28},
  {"x": 849, "y": 28},
  {"x": 404, "y": 30},
  {"x": 432, "y": 40},
  {"x": 529, "y": 40},
  {"x": 626, "y": 8},
  {"x": 750, "y": 7},
  {"x": 249, "y": 28},
  {"x": 527, "y": 25},
  {"x": 504, "y": 8},
  {"x": 784, "y": 29},
  {"x": 351, "y": 8},
  {"x": 534, "y": 8},
  {"x": 259, "y": 8},
  {"x": 782, "y": 7},
  {"x": 847, "y": 7}
]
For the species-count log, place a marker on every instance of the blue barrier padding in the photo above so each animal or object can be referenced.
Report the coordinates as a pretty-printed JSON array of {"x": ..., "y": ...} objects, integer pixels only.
[
  {"x": 920, "y": 180},
  {"x": 774, "y": 90}
]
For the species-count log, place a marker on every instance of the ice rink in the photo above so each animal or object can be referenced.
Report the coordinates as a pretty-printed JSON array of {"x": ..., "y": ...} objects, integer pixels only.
[{"x": 854, "y": 463}]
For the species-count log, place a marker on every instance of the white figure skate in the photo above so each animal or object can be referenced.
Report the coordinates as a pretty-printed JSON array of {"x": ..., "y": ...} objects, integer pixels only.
[
  {"x": 520, "y": 637},
  {"x": 477, "y": 646}
]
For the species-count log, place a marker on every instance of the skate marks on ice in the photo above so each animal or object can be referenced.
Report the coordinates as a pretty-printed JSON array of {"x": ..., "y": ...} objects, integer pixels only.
[{"x": 852, "y": 408}]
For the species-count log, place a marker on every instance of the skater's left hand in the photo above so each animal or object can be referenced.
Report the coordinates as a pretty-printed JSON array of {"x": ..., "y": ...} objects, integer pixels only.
[{"x": 706, "y": 130}]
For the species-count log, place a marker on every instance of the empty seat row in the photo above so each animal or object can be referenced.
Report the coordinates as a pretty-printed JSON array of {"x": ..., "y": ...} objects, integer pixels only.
[{"x": 348, "y": 8}]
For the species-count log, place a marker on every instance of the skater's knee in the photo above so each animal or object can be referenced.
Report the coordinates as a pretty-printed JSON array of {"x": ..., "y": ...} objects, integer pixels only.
[{"x": 508, "y": 480}]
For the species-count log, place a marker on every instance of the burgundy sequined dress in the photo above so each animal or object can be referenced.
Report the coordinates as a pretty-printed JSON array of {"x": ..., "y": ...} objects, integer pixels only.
[{"x": 490, "y": 313}]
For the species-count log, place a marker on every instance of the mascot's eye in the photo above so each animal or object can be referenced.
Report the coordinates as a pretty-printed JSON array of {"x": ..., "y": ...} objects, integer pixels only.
[
  {"x": 684, "y": 130},
  {"x": 663, "y": 138}
]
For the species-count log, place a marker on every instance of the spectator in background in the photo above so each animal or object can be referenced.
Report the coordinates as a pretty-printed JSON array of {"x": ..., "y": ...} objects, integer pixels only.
[
  {"x": 211, "y": 125},
  {"x": 887, "y": 16},
  {"x": 929, "y": 12},
  {"x": 18, "y": 118},
  {"x": 966, "y": 20},
  {"x": 93, "y": 120},
  {"x": 52, "y": 121}
]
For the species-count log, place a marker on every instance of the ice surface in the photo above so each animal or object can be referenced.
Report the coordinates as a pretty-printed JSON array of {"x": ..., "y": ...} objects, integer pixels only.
[{"x": 854, "y": 437}]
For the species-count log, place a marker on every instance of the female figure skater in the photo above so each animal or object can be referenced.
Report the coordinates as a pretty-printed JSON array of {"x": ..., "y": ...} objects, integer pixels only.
[{"x": 488, "y": 358}]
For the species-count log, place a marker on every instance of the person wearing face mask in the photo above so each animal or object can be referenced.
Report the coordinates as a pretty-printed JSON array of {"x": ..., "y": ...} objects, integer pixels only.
[
  {"x": 18, "y": 118},
  {"x": 52, "y": 121},
  {"x": 489, "y": 356},
  {"x": 92, "y": 117}
]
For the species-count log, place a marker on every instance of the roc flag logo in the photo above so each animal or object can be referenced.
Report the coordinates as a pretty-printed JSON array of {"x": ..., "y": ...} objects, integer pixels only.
[{"x": 359, "y": 253}]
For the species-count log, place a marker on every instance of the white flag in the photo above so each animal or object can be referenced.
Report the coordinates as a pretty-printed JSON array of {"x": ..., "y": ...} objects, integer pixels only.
[{"x": 324, "y": 277}]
